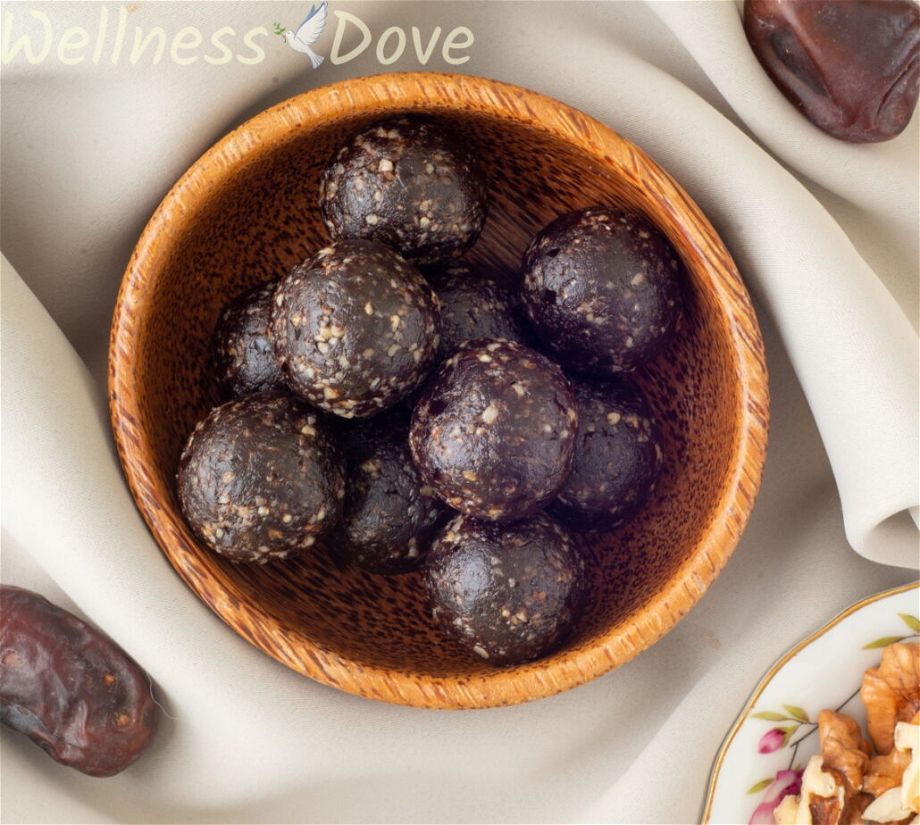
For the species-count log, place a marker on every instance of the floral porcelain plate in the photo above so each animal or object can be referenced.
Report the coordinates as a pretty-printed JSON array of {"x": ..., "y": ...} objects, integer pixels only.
[{"x": 763, "y": 755}]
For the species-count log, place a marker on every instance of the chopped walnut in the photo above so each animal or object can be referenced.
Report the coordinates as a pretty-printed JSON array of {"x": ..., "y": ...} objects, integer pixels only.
[
  {"x": 887, "y": 809},
  {"x": 907, "y": 738},
  {"x": 848, "y": 784},
  {"x": 826, "y": 810},
  {"x": 820, "y": 802},
  {"x": 885, "y": 772},
  {"x": 835, "y": 782},
  {"x": 891, "y": 692},
  {"x": 853, "y": 815},
  {"x": 898, "y": 787},
  {"x": 844, "y": 749}
]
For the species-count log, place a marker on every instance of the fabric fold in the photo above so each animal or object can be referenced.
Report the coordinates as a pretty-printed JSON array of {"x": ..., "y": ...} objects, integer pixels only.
[
  {"x": 853, "y": 348},
  {"x": 871, "y": 175}
]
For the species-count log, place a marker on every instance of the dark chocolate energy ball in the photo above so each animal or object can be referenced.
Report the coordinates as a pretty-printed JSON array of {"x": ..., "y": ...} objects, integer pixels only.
[
  {"x": 507, "y": 592},
  {"x": 601, "y": 289},
  {"x": 390, "y": 517},
  {"x": 494, "y": 432},
  {"x": 474, "y": 305},
  {"x": 244, "y": 356},
  {"x": 356, "y": 328},
  {"x": 617, "y": 457},
  {"x": 260, "y": 478},
  {"x": 407, "y": 183}
]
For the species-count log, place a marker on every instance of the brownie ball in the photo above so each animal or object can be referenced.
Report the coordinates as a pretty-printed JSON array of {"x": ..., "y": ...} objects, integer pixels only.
[
  {"x": 474, "y": 304},
  {"x": 508, "y": 593},
  {"x": 390, "y": 516},
  {"x": 601, "y": 289},
  {"x": 356, "y": 328},
  {"x": 617, "y": 457},
  {"x": 260, "y": 477},
  {"x": 244, "y": 356},
  {"x": 493, "y": 433},
  {"x": 410, "y": 184}
]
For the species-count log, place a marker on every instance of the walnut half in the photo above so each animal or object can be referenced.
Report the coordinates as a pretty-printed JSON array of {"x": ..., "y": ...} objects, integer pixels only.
[{"x": 891, "y": 692}]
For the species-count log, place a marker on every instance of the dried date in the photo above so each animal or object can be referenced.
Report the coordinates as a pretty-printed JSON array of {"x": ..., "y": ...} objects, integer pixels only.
[
  {"x": 852, "y": 68},
  {"x": 70, "y": 688}
]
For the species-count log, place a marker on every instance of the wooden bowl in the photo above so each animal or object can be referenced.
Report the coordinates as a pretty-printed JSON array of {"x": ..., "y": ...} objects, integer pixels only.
[{"x": 247, "y": 211}]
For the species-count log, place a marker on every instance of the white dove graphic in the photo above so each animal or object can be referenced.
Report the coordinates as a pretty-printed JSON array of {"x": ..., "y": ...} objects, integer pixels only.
[{"x": 308, "y": 33}]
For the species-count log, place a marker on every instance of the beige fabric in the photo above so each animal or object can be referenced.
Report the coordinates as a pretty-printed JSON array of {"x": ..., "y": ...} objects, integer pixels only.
[{"x": 825, "y": 235}]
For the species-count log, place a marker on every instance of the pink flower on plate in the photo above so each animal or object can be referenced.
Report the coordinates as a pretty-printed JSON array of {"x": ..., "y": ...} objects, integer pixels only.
[
  {"x": 771, "y": 741},
  {"x": 785, "y": 784}
]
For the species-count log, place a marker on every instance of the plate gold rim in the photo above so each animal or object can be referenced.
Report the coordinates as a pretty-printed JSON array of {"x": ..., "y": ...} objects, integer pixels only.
[{"x": 778, "y": 665}]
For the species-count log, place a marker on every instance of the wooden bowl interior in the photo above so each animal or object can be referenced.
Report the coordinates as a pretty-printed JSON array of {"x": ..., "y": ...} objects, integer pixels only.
[{"x": 263, "y": 220}]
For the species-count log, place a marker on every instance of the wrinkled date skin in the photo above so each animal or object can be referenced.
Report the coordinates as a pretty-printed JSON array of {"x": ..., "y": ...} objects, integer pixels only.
[
  {"x": 851, "y": 67},
  {"x": 70, "y": 688}
]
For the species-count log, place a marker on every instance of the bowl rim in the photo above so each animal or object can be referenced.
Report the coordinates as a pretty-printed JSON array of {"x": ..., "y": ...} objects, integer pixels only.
[{"x": 567, "y": 668}]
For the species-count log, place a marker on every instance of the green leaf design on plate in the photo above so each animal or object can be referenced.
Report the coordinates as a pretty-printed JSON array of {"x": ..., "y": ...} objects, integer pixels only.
[
  {"x": 911, "y": 621},
  {"x": 883, "y": 642},
  {"x": 789, "y": 732},
  {"x": 770, "y": 716},
  {"x": 796, "y": 713},
  {"x": 759, "y": 786}
]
